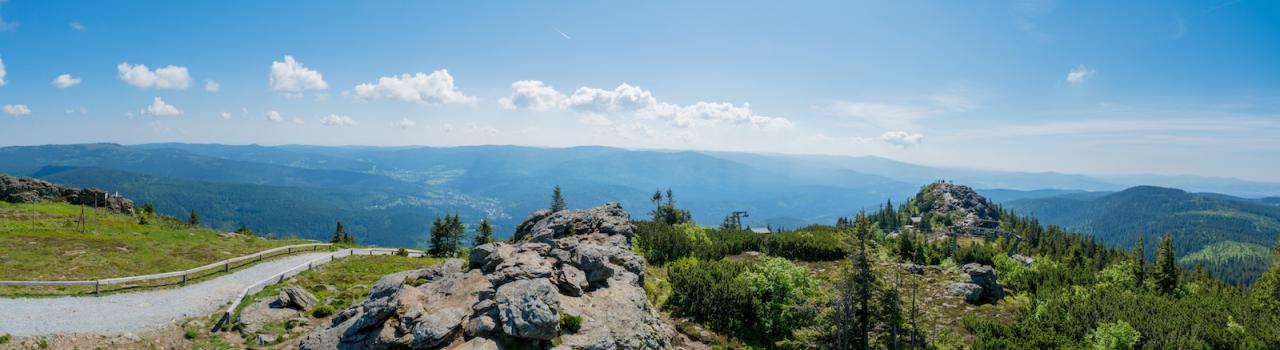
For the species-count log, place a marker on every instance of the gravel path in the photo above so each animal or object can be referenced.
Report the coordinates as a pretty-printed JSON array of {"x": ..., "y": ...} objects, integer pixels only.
[{"x": 135, "y": 312}]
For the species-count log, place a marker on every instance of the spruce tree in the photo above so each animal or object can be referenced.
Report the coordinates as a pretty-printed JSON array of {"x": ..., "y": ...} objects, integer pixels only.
[
  {"x": 557, "y": 200},
  {"x": 484, "y": 233},
  {"x": 339, "y": 234},
  {"x": 439, "y": 238},
  {"x": 1265, "y": 293},
  {"x": 1139, "y": 263},
  {"x": 1166, "y": 274},
  {"x": 194, "y": 220},
  {"x": 853, "y": 312}
]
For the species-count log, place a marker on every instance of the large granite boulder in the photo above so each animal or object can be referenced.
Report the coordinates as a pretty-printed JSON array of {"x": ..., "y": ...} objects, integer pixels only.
[
  {"x": 569, "y": 262},
  {"x": 297, "y": 298},
  {"x": 985, "y": 277}
]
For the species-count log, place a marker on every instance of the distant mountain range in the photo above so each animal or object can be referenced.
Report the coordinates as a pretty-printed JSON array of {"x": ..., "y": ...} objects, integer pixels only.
[
  {"x": 388, "y": 195},
  {"x": 1230, "y": 236}
]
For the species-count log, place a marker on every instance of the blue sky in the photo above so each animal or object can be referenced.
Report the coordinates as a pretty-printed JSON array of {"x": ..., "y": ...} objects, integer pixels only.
[{"x": 1095, "y": 87}]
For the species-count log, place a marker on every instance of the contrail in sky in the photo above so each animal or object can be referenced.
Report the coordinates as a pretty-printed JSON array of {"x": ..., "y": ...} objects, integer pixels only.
[{"x": 566, "y": 36}]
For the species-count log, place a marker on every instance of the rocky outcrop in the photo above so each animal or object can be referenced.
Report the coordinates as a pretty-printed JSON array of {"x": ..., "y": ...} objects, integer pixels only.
[
  {"x": 297, "y": 298},
  {"x": 28, "y": 190},
  {"x": 972, "y": 209},
  {"x": 562, "y": 264},
  {"x": 981, "y": 287}
]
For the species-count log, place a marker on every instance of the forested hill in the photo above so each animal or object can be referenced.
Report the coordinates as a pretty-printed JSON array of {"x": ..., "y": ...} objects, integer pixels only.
[{"x": 1229, "y": 235}]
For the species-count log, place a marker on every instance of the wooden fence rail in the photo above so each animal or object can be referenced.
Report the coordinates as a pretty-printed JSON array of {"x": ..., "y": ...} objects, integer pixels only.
[
  {"x": 283, "y": 275},
  {"x": 224, "y": 265}
]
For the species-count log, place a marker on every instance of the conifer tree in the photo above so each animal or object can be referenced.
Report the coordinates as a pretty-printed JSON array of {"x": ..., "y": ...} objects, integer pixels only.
[
  {"x": 1139, "y": 263},
  {"x": 557, "y": 200},
  {"x": 484, "y": 233},
  {"x": 1265, "y": 293},
  {"x": 438, "y": 237},
  {"x": 1166, "y": 274},
  {"x": 853, "y": 313},
  {"x": 339, "y": 234},
  {"x": 194, "y": 220}
]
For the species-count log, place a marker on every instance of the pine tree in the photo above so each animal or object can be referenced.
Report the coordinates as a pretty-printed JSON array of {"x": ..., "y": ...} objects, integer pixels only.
[
  {"x": 1265, "y": 293},
  {"x": 853, "y": 312},
  {"x": 339, "y": 234},
  {"x": 1139, "y": 263},
  {"x": 446, "y": 235},
  {"x": 484, "y": 233},
  {"x": 557, "y": 200},
  {"x": 438, "y": 237},
  {"x": 148, "y": 208},
  {"x": 194, "y": 220},
  {"x": 1166, "y": 274}
]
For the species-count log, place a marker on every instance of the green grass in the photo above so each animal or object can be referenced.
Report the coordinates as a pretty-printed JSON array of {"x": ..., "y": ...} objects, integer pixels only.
[
  {"x": 339, "y": 284},
  {"x": 1222, "y": 251},
  {"x": 112, "y": 245}
]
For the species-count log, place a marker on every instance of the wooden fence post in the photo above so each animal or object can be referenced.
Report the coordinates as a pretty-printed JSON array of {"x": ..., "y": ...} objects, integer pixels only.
[
  {"x": 184, "y": 279},
  {"x": 96, "y": 287}
]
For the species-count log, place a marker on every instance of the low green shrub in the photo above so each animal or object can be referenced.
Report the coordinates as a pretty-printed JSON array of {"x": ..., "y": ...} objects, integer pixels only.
[
  {"x": 323, "y": 311},
  {"x": 570, "y": 323}
]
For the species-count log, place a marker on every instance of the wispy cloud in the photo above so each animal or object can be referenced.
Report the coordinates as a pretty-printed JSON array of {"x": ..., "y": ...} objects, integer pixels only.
[
  {"x": 1080, "y": 74},
  {"x": 79, "y": 27},
  {"x": 635, "y": 101}
]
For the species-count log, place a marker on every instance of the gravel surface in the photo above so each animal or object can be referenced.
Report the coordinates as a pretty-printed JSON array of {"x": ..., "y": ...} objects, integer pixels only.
[{"x": 135, "y": 312}]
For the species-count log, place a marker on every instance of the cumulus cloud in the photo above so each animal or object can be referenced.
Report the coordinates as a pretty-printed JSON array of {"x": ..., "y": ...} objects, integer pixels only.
[
  {"x": 17, "y": 110},
  {"x": 1080, "y": 74},
  {"x": 902, "y": 138},
  {"x": 337, "y": 120},
  {"x": 406, "y": 123},
  {"x": 167, "y": 77},
  {"x": 533, "y": 95},
  {"x": 160, "y": 109},
  {"x": 212, "y": 86},
  {"x": 65, "y": 81},
  {"x": 2, "y": 72},
  {"x": 434, "y": 88},
  {"x": 275, "y": 116},
  {"x": 292, "y": 76},
  {"x": 633, "y": 100}
]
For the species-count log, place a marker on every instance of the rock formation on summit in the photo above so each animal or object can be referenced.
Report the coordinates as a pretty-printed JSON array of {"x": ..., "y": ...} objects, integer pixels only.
[
  {"x": 27, "y": 190},
  {"x": 960, "y": 201},
  {"x": 559, "y": 265}
]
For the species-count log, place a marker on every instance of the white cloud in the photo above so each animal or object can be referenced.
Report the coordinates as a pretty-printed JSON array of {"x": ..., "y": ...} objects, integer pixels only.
[
  {"x": 225, "y": 115},
  {"x": 633, "y": 131},
  {"x": 17, "y": 110},
  {"x": 292, "y": 76},
  {"x": 1080, "y": 74},
  {"x": 65, "y": 81},
  {"x": 167, "y": 77},
  {"x": 406, "y": 123},
  {"x": 434, "y": 88},
  {"x": 297, "y": 120},
  {"x": 482, "y": 129},
  {"x": 77, "y": 26},
  {"x": 533, "y": 95},
  {"x": 212, "y": 86},
  {"x": 902, "y": 138},
  {"x": 900, "y": 116},
  {"x": 2, "y": 72},
  {"x": 633, "y": 100},
  {"x": 160, "y": 109},
  {"x": 274, "y": 116},
  {"x": 337, "y": 120}
]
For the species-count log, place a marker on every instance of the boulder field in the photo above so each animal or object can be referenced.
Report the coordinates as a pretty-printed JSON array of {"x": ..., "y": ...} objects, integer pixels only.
[{"x": 567, "y": 280}]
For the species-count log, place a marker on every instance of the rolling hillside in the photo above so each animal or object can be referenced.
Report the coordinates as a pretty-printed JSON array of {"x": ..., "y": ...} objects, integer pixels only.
[{"x": 1229, "y": 235}]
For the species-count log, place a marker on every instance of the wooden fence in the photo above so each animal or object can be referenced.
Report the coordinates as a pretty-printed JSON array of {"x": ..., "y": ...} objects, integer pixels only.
[{"x": 224, "y": 265}]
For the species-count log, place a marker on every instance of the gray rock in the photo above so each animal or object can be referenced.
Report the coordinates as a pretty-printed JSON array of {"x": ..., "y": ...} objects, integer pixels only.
[
  {"x": 984, "y": 276},
  {"x": 1025, "y": 260},
  {"x": 28, "y": 190},
  {"x": 971, "y": 293},
  {"x": 477, "y": 344},
  {"x": 529, "y": 309},
  {"x": 912, "y": 268},
  {"x": 487, "y": 256},
  {"x": 297, "y": 298},
  {"x": 265, "y": 339},
  {"x": 388, "y": 284},
  {"x": 480, "y": 326},
  {"x": 259, "y": 314},
  {"x": 571, "y": 280},
  {"x": 438, "y": 328},
  {"x": 594, "y": 261},
  {"x": 523, "y": 265}
]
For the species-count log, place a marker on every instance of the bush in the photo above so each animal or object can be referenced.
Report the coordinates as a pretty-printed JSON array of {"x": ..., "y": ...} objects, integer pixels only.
[
  {"x": 1118, "y": 335},
  {"x": 190, "y": 332},
  {"x": 752, "y": 301},
  {"x": 5, "y": 338},
  {"x": 570, "y": 323},
  {"x": 323, "y": 311},
  {"x": 662, "y": 243}
]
